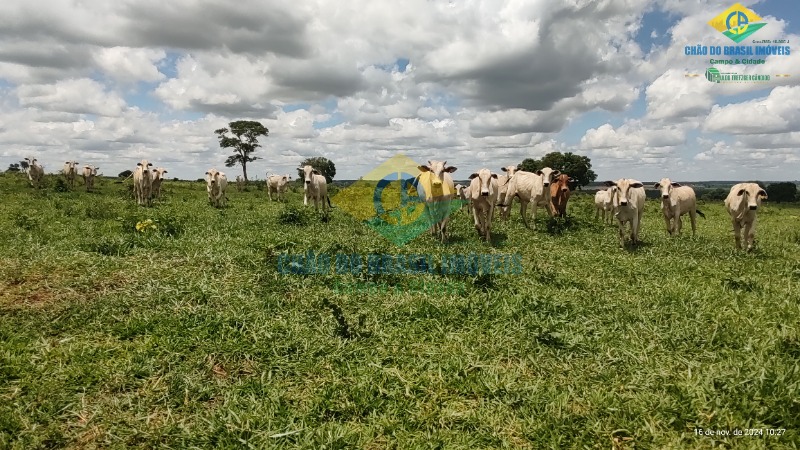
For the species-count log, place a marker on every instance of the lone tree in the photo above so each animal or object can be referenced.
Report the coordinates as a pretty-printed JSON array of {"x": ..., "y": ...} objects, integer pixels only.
[
  {"x": 324, "y": 165},
  {"x": 13, "y": 167},
  {"x": 243, "y": 142},
  {"x": 576, "y": 166},
  {"x": 125, "y": 174},
  {"x": 23, "y": 165},
  {"x": 782, "y": 192}
]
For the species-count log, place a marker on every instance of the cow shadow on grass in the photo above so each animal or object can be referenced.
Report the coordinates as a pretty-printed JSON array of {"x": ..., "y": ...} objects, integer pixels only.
[{"x": 630, "y": 247}]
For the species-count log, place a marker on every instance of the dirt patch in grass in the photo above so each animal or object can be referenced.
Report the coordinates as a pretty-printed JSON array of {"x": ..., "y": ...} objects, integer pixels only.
[{"x": 40, "y": 291}]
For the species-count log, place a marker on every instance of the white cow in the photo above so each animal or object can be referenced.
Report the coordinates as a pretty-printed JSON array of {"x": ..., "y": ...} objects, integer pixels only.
[
  {"x": 315, "y": 187},
  {"x": 277, "y": 184},
  {"x": 143, "y": 183},
  {"x": 628, "y": 198},
  {"x": 603, "y": 204},
  {"x": 533, "y": 188},
  {"x": 88, "y": 174},
  {"x": 216, "y": 185},
  {"x": 742, "y": 204},
  {"x": 158, "y": 178},
  {"x": 677, "y": 200},
  {"x": 70, "y": 172},
  {"x": 502, "y": 184},
  {"x": 462, "y": 193},
  {"x": 239, "y": 183},
  {"x": 35, "y": 172},
  {"x": 483, "y": 191},
  {"x": 435, "y": 188}
]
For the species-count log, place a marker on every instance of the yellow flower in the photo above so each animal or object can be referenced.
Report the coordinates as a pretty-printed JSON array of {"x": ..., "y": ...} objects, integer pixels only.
[{"x": 141, "y": 226}]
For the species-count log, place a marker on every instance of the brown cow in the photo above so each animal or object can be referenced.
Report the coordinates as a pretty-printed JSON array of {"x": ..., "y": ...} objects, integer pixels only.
[{"x": 559, "y": 194}]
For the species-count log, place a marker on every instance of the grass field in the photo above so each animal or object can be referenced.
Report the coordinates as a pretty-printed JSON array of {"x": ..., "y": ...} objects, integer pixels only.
[{"x": 185, "y": 334}]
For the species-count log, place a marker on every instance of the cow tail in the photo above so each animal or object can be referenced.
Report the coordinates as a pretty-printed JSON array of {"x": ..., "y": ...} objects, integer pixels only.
[
  {"x": 329, "y": 201},
  {"x": 700, "y": 213}
]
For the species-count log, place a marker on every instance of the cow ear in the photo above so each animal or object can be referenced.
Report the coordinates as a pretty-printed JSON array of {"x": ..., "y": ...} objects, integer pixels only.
[
  {"x": 762, "y": 193},
  {"x": 674, "y": 184},
  {"x": 206, "y": 173},
  {"x": 424, "y": 168},
  {"x": 740, "y": 193},
  {"x": 504, "y": 169},
  {"x": 494, "y": 175},
  {"x": 450, "y": 169},
  {"x": 149, "y": 164},
  {"x": 610, "y": 184},
  {"x": 518, "y": 168},
  {"x": 165, "y": 171},
  {"x": 556, "y": 173},
  {"x": 538, "y": 172},
  {"x": 316, "y": 172},
  {"x": 139, "y": 164},
  {"x": 637, "y": 185},
  {"x": 473, "y": 176},
  {"x": 657, "y": 185}
]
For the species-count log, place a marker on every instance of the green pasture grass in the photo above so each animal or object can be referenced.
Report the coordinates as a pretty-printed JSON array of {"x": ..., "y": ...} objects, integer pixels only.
[{"x": 185, "y": 335}]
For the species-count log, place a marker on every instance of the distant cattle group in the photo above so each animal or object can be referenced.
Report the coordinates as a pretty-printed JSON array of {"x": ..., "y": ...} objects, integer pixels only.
[{"x": 623, "y": 200}]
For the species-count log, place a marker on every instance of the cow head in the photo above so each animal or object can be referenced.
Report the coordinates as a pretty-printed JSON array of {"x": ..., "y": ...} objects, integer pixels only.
[
  {"x": 548, "y": 175},
  {"x": 212, "y": 177},
  {"x": 752, "y": 194},
  {"x": 510, "y": 170},
  {"x": 484, "y": 182},
  {"x": 563, "y": 182},
  {"x": 158, "y": 174},
  {"x": 621, "y": 190},
  {"x": 144, "y": 164},
  {"x": 438, "y": 169},
  {"x": 308, "y": 172},
  {"x": 666, "y": 185}
]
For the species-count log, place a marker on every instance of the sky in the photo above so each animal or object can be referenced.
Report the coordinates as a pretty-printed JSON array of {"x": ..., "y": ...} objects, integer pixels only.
[{"x": 476, "y": 83}]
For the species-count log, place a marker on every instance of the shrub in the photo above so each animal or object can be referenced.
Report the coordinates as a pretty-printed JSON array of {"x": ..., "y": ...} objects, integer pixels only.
[
  {"x": 61, "y": 185},
  {"x": 292, "y": 215}
]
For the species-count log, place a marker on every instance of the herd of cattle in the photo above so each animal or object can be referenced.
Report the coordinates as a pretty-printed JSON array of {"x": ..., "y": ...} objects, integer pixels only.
[{"x": 624, "y": 199}]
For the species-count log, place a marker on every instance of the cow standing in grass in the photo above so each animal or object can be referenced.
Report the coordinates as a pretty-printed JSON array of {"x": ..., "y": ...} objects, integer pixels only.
[
  {"x": 677, "y": 200},
  {"x": 531, "y": 188},
  {"x": 742, "y": 204},
  {"x": 158, "y": 179},
  {"x": 628, "y": 198},
  {"x": 603, "y": 204},
  {"x": 277, "y": 184},
  {"x": 436, "y": 190},
  {"x": 143, "y": 183},
  {"x": 70, "y": 172},
  {"x": 239, "y": 183},
  {"x": 216, "y": 185},
  {"x": 35, "y": 172},
  {"x": 315, "y": 187},
  {"x": 89, "y": 173},
  {"x": 559, "y": 194},
  {"x": 483, "y": 191}
]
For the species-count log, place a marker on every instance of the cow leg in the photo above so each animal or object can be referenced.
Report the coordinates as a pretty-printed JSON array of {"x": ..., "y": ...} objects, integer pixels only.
[
  {"x": 533, "y": 214},
  {"x": 678, "y": 224},
  {"x": 693, "y": 218},
  {"x": 523, "y": 207},
  {"x": 621, "y": 230},
  {"x": 749, "y": 234},
  {"x": 737, "y": 234}
]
